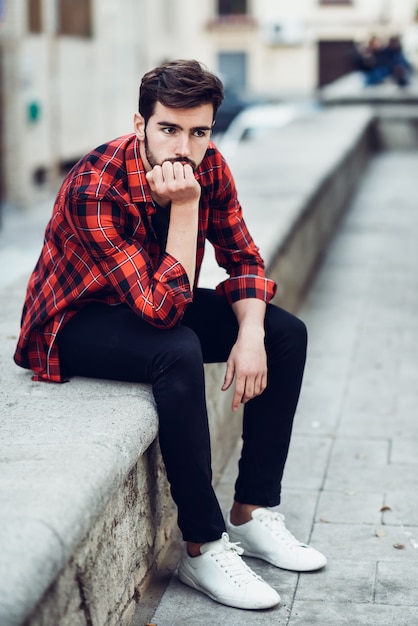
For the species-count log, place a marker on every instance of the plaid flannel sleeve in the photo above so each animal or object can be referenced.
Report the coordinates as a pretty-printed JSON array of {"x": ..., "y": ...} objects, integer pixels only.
[{"x": 158, "y": 294}]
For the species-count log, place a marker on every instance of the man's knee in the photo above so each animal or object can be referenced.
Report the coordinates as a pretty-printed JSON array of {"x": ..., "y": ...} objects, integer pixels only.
[
  {"x": 299, "y": 332},
  {"x": 285, "y": 329},
  {"x": 181, "y": 353},
  {"x": 179, "y": 377}
]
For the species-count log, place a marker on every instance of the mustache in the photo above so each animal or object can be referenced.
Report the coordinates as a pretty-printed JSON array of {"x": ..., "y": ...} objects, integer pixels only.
[{"x": 184, "y": 160}]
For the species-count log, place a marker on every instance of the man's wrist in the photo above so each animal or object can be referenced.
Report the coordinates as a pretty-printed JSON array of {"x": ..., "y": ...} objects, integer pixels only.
[
  {"x": 252, "y": 329},
  {"x": 189, "y": 206}
]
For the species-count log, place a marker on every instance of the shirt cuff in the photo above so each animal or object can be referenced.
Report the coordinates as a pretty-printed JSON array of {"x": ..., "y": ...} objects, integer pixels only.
[
  {"x": 247, "y": 286},
  {"x": 172, "y": 276}
]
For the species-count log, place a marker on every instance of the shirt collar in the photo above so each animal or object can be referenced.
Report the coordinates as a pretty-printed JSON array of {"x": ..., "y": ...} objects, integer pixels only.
[{"x": 138, "y": 184}]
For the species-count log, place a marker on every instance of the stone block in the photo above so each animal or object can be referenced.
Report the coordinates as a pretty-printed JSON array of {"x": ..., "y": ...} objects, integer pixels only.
[
  {"x": 350, "y": 507},
  {"x": 341, "y": 580},
  {"x": 403, "y": 510},
  {"x": 308, "y": 457},
  {"x": 362, "y": 542},
  {"x": 396, "y": 584},
  {"x": 335, "y": 614},
  {"x": 404, "y": 451}
]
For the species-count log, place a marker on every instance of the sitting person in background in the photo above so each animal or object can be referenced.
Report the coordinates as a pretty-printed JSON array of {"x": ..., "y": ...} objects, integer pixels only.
[
  {"x": 396, "y": 63},
  {"x": 366, "y": 57},
  {"x": 380, "y": 61}
]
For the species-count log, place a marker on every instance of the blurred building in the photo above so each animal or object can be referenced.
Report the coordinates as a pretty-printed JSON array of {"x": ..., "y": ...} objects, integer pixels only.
[
  {"x": 70, "y": 69},
  {"x": 69, "y": 78},
  {"x": 278, "y": 47}
]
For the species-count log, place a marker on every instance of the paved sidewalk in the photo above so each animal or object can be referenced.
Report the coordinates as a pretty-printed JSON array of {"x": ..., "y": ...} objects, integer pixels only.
[{"x": 351, "y": 482}]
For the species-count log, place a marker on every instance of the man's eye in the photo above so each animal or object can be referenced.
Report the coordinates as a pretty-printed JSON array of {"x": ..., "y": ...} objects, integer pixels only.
[
  {"x": 169, "y": 130},
  {"x": 200, "y": 133}
]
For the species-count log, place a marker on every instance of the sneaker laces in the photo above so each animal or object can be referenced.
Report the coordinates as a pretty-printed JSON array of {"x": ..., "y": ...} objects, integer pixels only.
[
  {"x": 275, "y": 522},
  {"x": 229, "y": 559}
]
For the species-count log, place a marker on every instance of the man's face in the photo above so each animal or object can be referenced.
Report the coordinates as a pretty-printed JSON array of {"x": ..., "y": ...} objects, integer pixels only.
[{"x": 175, "y": 135}]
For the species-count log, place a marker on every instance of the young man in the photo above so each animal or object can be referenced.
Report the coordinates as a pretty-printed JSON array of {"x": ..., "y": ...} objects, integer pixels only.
[{"x": 115, "y": 295}]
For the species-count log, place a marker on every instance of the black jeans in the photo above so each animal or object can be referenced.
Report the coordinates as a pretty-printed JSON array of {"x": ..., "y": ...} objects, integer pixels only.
[{"x": 113, "y": 342}]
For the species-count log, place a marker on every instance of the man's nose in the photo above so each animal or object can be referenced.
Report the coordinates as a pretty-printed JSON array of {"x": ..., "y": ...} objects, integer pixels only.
[{"x": 183, "y": 145}]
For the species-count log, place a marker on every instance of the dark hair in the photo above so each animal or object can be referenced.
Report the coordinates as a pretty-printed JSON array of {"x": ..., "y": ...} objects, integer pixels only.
[{"x": 181, "y": 84}]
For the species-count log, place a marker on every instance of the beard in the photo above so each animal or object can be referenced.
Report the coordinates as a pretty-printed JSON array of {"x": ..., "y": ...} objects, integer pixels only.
[{"x": 153, "y": 161}]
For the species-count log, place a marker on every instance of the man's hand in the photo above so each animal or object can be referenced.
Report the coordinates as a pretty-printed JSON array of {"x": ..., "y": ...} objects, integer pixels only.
[
  {"x": 175, "y": 183},
  {"x": 247, "y": 363}
]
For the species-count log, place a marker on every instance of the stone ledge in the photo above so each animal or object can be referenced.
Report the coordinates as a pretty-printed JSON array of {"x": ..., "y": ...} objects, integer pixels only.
[
  {"x": 69, "y": 449},
  {"x": 394, "y": 107},
  {"x": 350, "y": 89},
  {"x": 80, "y": 465}
]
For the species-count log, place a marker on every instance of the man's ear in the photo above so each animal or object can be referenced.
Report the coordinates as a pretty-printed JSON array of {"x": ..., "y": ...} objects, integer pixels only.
[{"x": 139, "y": 125}]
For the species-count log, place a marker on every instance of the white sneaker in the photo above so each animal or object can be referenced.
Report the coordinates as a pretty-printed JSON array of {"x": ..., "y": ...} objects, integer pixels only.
[
  {"x": 266, "y": 537},
  {"x": 222, "y": 575}
]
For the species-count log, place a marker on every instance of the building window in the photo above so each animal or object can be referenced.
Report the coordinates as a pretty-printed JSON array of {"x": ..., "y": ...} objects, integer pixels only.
[
  {"x": 232, "y": 7},
  {"x": 34, "y": 9},
  {"x": 233, "y": 69},
  {"x": 75, "y": 18}
]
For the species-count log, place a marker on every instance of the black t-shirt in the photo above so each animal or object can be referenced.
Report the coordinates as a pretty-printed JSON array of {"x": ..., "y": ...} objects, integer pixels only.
[{"x": 160, "y": 221}]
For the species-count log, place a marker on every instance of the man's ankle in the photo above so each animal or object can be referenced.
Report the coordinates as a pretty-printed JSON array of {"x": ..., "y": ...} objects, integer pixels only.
[
  {"x": 193, "y": 549},
  {"x": 242, "y": 513}
]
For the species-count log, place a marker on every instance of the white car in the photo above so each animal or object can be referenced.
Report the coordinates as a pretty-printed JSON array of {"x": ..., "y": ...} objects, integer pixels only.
[{"x": 259, "y": 119}]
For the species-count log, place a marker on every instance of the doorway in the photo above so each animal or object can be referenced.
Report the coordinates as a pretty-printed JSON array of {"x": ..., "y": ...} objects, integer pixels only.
[{"x": 335, "y": 59}]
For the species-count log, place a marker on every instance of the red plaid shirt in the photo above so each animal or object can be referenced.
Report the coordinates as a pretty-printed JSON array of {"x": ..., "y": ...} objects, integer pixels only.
[{"x": 100, "y": 245}]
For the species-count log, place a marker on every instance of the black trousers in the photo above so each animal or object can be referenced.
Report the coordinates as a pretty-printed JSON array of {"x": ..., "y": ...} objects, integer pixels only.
[{"x": 112, "y": 342}]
